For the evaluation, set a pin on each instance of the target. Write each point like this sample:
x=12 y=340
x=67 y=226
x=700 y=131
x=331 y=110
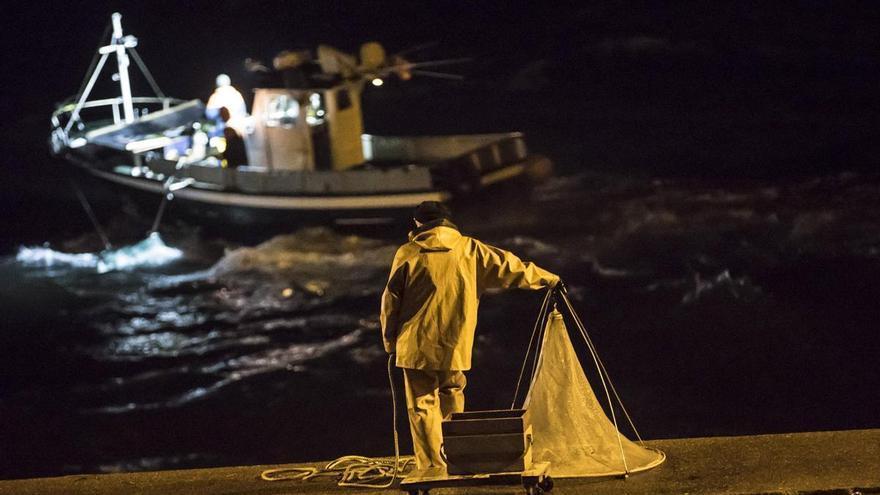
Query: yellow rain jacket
x=429 y=307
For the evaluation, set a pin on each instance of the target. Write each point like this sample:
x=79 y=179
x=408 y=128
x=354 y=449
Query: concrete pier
x=836 y=462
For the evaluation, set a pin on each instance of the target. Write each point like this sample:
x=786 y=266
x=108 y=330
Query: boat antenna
x=438 y=75
x=417 y=68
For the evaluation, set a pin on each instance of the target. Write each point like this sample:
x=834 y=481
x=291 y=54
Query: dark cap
x=429 y=211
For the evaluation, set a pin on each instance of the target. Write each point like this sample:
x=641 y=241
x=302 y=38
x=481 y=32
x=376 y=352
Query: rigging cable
x=540 y=342
x=146 y=72
x=166 y=197
x=91 y=214
x=542 y=315
x=92 y=65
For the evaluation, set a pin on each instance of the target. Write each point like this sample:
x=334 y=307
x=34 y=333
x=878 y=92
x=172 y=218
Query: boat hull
x=226 y=210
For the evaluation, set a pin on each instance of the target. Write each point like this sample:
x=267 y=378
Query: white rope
x=354 y=470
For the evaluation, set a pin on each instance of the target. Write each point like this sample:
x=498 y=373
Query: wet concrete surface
x=835 y=462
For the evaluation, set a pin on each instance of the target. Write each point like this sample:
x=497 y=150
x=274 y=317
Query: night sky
x=47 y=45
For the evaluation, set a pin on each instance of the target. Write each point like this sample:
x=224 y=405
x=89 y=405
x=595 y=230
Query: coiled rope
x=354 y=470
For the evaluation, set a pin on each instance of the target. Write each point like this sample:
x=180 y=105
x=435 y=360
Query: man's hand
x=389 y=348
x=560 y=287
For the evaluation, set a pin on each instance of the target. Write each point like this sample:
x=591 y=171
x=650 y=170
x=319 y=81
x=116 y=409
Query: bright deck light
x=378 y=82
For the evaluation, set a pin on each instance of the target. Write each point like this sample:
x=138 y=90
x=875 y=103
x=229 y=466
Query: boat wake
x=254 y=317
x=150 y=252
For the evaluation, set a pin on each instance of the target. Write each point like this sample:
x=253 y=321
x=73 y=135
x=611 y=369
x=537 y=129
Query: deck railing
x=68 y=115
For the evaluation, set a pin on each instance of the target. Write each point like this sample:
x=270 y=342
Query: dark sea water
x=719 y=308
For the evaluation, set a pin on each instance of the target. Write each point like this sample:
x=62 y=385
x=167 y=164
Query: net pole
x=535 y=330
x=539 y=346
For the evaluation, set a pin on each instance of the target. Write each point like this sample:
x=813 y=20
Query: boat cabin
x=306 y=129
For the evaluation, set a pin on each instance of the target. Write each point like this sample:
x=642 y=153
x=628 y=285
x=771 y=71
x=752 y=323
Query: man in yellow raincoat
x=429 y=314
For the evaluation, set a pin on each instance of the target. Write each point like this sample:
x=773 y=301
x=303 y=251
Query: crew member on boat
x=234 y=154
x=225 y=95
x=429 y=314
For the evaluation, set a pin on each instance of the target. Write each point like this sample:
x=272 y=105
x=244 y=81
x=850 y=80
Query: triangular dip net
x=570 y=429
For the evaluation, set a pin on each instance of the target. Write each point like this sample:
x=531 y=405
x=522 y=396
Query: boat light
x=378 y=82
x=148 y=144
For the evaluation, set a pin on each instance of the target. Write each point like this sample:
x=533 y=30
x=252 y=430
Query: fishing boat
x=305 y=155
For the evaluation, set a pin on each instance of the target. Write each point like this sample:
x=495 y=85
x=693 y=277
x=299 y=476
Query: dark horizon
x=186 y=45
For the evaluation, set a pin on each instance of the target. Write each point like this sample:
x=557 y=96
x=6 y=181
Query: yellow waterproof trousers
x=431 y=396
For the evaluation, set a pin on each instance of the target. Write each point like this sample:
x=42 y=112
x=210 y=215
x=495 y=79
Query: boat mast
x=122 y=62
x=118 y=45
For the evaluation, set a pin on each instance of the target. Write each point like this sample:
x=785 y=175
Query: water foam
x=723 y=283
x=150 y=252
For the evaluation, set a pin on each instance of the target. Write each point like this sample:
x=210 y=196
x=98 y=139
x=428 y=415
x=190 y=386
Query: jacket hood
x=439 y=235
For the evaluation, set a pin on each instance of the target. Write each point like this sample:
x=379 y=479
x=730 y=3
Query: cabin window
x=343 y=99
x=315 y=112
x=282 y=111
